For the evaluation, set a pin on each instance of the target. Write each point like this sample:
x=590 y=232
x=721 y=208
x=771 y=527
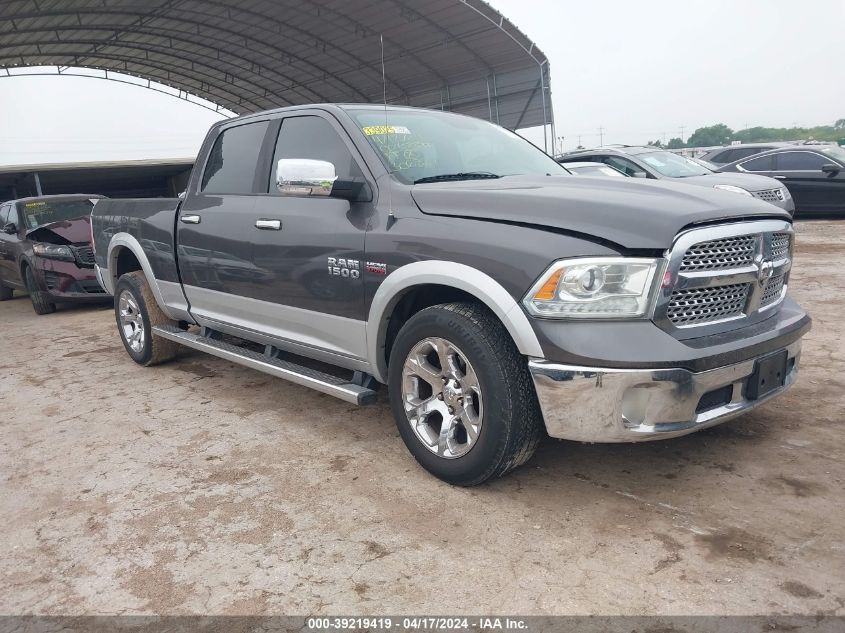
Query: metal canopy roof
x=252 y=55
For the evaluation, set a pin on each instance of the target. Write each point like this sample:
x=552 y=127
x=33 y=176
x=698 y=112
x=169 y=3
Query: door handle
x=780 y=177
x=268 y=225
x=190 y=219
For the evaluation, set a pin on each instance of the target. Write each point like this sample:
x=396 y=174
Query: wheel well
x=126 y=262
x=416 y=299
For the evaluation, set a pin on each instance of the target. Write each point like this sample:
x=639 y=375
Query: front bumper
x=589 y=404
x=65 y=282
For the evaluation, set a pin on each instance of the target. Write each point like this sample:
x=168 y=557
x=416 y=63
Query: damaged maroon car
x=46 y=250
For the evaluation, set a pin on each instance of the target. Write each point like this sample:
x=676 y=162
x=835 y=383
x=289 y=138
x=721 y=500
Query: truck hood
x=633 y=213
x=749 y=182
x=73 y=231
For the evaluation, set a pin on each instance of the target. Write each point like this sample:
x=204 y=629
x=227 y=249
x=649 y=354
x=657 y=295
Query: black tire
x=40 y=300
x=511 y=423
x=5 y=293
x=152 y=349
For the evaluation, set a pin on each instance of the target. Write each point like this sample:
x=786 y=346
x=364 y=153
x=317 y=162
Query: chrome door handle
x=781 y=177
x=268 y=225
x=190 y=219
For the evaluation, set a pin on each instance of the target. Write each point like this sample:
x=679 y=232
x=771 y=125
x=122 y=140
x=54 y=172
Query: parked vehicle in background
x=814 y=174
x=702 y=162
x=492 y=292
x=46 y=250
x=733 y=153
x=594 y=169
x=658 y=164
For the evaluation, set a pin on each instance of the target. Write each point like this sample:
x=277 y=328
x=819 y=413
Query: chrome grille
x=781 y=243
x=705 y=305
x=769 y=195
x=731 y=252
x=722 y=277
x=773 y=290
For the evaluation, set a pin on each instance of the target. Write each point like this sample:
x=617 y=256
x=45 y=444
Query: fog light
x=634 y=406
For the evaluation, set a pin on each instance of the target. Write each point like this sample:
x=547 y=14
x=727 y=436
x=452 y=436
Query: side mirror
x=639 y=174
x=305 y=177
x=831 y=168
x=10 y=228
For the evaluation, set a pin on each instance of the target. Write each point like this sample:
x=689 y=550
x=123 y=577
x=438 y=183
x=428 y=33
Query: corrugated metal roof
x=252 y=55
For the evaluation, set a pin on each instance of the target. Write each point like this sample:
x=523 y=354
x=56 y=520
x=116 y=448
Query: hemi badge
x=376 y=268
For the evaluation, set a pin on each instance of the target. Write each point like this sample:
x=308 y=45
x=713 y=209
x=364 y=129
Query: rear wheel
x=461 y=394
x=136 y=312
x=40 y=300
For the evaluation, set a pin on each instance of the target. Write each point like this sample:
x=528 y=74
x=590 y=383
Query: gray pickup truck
x=494 y=293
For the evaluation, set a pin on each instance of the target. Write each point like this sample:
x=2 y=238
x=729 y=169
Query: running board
x=305 y=376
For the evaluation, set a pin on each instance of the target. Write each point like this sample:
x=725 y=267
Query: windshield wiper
x=466 y=175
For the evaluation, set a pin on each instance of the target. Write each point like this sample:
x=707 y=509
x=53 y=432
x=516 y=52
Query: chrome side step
x=305 y=376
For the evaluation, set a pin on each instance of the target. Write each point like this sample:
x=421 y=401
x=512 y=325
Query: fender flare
x=125 y=240
x=452 y=274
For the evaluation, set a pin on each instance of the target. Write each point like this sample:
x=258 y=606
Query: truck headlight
x=733 y=189
x=53 y=251
x=591 y=288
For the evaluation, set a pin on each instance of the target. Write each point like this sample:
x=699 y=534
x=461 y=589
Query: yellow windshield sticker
x=374 y=130
x=31 y=205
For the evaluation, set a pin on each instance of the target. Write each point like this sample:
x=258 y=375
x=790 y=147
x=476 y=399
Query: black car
x=814 y=175
x=733 y=153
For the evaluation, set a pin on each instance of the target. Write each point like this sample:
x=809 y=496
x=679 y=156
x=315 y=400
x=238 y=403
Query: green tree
x=839 y=125
x=719 y=134
x=675 y=143
x=656 y=143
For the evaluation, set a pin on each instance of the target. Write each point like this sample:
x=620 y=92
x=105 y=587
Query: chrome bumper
x=589 y=404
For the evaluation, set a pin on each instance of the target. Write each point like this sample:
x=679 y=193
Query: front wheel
x=461 y=394
x=40 y=300
x=136 y=312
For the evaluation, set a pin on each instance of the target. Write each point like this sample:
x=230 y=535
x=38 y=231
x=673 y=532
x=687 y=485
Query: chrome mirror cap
x=305 y=177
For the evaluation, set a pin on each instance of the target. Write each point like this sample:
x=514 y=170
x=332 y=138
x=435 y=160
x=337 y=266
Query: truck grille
x=705 y=305
x=781 y=245
x=732 y=252
x=773 y=290
x=724 y=273
x=770 y=195
x=84 y=256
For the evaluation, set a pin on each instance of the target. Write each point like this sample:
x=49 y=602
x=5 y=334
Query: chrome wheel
x=131 y=322
x=442 y=397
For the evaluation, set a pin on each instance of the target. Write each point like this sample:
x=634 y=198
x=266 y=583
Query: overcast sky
x=641 y=70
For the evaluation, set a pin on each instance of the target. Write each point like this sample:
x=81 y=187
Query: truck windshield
x=427 y=146
x=40 y=212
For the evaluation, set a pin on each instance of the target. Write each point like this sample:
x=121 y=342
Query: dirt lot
x=200 y=486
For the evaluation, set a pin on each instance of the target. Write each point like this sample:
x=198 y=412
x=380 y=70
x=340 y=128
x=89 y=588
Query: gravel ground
x=203 y=487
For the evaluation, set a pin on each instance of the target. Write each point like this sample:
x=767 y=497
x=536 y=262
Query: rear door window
x=763 y=163
x=4 y=214
x=800 y=161
x=233 y=162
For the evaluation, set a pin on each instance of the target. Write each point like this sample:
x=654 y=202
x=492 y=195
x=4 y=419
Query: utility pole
x=682 y=135
x=601 y=136
x=579 y=140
